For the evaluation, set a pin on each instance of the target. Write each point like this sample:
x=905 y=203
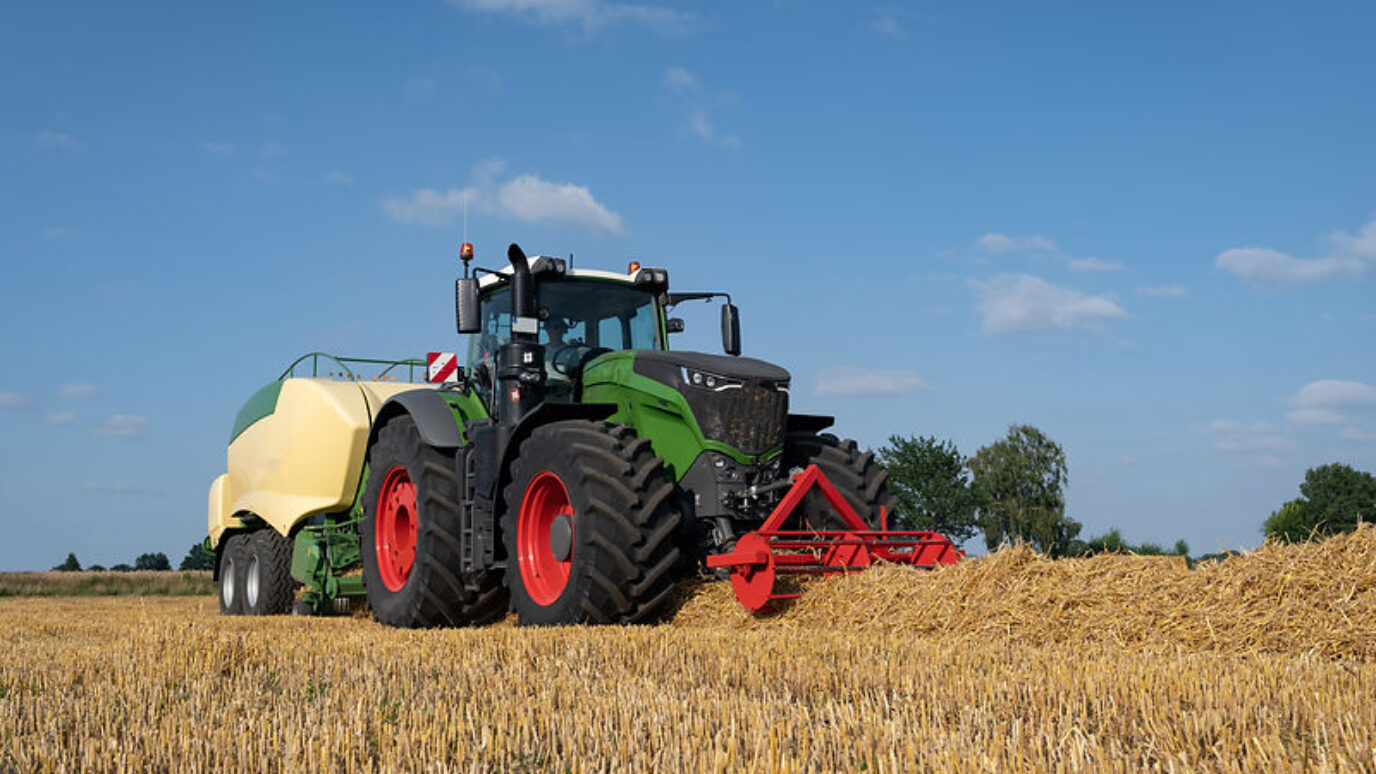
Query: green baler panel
x=259 y=406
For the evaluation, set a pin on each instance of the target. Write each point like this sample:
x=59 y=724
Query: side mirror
x=730 y=329
x=674 y=325
x=466 y=306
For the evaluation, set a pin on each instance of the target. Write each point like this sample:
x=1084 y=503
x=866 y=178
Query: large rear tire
x=410 y=537
x=233 y=557
x=268 y=585
x=591 y=527
x=855 y=474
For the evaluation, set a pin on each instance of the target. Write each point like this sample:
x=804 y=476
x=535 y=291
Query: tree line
x=198 y=558
x=1013 y=491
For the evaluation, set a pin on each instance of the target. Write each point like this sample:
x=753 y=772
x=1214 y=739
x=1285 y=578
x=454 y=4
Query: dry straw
x=1012 y=663
x=1312 y=598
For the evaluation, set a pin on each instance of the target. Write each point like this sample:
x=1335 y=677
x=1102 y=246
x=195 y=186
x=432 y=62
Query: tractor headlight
x=709 y=381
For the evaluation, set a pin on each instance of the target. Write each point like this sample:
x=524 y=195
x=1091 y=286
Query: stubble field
x=1266 y=662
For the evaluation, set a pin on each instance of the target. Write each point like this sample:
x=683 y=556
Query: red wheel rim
x=395 y=537
x=543 y=576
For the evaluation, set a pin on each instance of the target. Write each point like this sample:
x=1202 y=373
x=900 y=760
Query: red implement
x=768 y=552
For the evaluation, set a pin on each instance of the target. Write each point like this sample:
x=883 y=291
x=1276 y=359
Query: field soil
x=1012 y=663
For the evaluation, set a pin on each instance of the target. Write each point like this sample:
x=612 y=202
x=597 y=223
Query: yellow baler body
x=304 y=458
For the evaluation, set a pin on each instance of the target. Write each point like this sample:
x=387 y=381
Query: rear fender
x=434 y=417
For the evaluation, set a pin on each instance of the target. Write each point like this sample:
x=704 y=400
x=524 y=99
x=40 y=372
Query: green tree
x=1340 y=497
x=70 y=564
x=156 y=561
x=1334 y=498
x=1019 y=484
x=929 y=481
x=198 y=559
x=1290 y=524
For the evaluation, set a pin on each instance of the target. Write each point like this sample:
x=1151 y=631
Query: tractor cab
x=580 y=315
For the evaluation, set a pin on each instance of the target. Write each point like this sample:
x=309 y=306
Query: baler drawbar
x=760 y=556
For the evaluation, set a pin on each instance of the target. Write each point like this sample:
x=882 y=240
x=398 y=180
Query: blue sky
x=1148 y=229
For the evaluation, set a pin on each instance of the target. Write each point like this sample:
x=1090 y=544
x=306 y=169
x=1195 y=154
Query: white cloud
x=429 y=207
x=1357 y=434
x=1001 y=243
x=218 y=148
x=532 y=199
x=78 y=390
x=271 y=150
x=264 y=175
x=1263 y=267
x=60 y=418
x=593 y=15
x=54 y=232
x=1314 y=416
x=340 y=178
x=1237 y=438
x=123 y=425
x=1162 y=291
x=1362 y=244
x=57 y=141
x=527 y=197
x=846 y=380
x=888 y=26
x=1335 y=393
x=699 y=124
x=1093 y=264
x=697 y=119
x=678 y=80
x=1019 y=303
x=13 y=401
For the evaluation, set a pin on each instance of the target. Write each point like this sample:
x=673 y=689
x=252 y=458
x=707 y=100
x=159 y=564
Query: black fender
x=809 y=423
x=496 y=446
x=434 y=419
x=544 y=414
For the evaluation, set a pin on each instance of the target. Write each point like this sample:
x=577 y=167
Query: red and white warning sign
x=441 y=367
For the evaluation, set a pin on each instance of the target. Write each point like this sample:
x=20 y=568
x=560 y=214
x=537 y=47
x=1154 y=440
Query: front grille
x=750 y=418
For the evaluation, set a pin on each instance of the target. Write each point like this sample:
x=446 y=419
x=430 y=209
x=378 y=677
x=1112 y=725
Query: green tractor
x=573 y=471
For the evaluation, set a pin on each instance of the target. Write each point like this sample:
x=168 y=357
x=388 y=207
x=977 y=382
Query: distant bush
x=69 y=565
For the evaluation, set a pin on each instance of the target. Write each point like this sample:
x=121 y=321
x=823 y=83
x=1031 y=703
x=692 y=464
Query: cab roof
x=490 y=278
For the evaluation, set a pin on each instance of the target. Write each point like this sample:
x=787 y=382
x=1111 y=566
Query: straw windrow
x=1315 y=598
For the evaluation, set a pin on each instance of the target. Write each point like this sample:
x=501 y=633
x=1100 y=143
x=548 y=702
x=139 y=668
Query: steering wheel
x=567 y=360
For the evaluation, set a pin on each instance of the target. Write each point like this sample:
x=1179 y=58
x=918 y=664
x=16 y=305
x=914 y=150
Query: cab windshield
x=581 y=314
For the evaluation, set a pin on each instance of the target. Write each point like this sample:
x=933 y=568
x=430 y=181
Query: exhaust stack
x=521 y=361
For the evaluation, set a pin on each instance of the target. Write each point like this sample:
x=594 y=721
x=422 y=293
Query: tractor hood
x=739 y=401
x=662 y=366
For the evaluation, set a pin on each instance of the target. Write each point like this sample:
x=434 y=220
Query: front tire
x=410 y=537
x=590 y=527
x=855 y=474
